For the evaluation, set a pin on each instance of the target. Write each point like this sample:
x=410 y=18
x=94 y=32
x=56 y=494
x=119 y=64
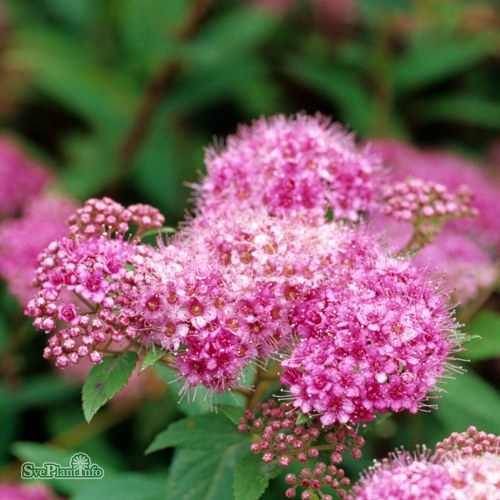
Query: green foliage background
x=424 y=71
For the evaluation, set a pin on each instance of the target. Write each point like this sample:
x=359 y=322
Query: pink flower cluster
x=259 y=275
x=299 y=166
x=82 y=280
x=21 y=177
x=22 y=239
x=279 y=436
x=464 y=466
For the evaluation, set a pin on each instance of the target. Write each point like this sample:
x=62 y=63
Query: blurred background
x=120 y=98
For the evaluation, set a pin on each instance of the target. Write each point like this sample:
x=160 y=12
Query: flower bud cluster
x=106 y=217
x=85 y=279
x=471 y=442
x=454 y=172
x=280 y=437
x=416 y=201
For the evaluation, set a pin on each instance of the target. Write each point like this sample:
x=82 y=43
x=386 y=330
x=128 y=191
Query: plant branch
x=159 y=85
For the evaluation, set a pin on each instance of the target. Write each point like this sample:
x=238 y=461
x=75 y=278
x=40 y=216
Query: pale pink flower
x=23 y=239
x=464 y=267
x=22 y=178
x=10 y=491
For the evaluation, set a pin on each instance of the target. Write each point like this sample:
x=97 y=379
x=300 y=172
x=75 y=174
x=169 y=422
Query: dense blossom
x=82 y=280
x=221 y=293
x=403 y=476
x=301 y=165
x=374 y=337
x=21 y=177
x=465 y=466
x=454 y=173
x=279 y=437
x=22 y=239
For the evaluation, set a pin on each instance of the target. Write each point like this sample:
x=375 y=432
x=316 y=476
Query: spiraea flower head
x=21 y=177
x=298 y=166
x=464 y=466
x=375 y=336
x=84 y=279
x=22 y=239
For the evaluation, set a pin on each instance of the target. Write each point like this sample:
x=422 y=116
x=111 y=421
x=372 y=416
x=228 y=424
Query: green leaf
x=462 y=108
x=148 y=26
x=105 y=380
x=339 y=85
x=433 y=59
x=67 y=73
x=237 y=32
x=129 y=486
x=470 y=400
x=204 y=475
x=487 y=326
x=153 y=354
x=252 y=477
x=45 y=390
x=205 y=399
x=212 y=431
x=232 y=412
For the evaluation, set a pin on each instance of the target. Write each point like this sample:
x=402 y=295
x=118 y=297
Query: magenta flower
x=21 y=177
x=374 y=337
x=291 y=166
x=21 y=240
